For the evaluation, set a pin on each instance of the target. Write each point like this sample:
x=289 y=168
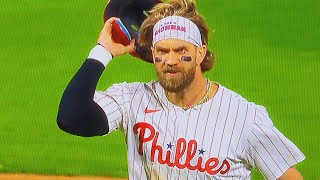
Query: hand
x=105 y=39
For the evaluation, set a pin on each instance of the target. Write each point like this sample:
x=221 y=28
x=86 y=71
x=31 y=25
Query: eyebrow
x=174 y=49
x=180 y=47
x=161 y=48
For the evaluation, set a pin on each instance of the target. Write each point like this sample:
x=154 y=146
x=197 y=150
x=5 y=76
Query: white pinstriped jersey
x=223 y=138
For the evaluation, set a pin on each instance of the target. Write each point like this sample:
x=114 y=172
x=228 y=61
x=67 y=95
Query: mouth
x=172 y=72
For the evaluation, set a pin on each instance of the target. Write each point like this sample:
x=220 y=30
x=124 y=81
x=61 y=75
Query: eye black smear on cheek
x=158 y=59
x=186 y=58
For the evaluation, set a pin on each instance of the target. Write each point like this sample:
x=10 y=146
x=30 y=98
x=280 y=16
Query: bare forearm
x=291 y=174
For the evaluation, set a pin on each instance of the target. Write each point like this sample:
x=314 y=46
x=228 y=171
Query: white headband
x=176 y=27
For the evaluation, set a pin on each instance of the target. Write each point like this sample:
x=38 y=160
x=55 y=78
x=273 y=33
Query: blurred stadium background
x=268 y=51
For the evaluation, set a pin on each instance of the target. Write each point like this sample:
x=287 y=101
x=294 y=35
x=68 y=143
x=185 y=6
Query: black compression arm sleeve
x=78 y=114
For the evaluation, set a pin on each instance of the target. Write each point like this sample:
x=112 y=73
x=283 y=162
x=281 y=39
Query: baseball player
x=183 y=126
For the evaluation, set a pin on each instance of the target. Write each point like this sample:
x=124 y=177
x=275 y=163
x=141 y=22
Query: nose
x=171 y=59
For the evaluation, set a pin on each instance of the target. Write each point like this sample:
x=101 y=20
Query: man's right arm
x=78 y=113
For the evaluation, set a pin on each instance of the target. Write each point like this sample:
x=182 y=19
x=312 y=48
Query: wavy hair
x=184 y=8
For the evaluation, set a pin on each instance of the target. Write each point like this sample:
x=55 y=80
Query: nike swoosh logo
x=147 y=111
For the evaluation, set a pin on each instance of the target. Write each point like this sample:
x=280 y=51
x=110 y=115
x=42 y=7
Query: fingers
x=106 y=32
x=108 y=24
x=105 y=39
x=131 y=47
x=125 y=49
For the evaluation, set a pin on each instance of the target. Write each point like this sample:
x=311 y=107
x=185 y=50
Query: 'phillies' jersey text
x=182 y=147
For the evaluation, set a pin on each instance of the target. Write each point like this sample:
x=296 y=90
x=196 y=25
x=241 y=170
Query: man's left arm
x=270 y=151
x=291 y=174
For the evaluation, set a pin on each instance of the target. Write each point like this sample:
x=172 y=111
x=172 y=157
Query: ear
x=152 y=50
x=201 y=53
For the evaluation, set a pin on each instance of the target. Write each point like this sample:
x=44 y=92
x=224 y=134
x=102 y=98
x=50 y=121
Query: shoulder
x=132 y=88
x=252 y=110
x=124 y=86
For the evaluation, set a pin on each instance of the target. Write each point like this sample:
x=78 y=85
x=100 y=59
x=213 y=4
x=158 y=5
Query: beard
x=176 y=83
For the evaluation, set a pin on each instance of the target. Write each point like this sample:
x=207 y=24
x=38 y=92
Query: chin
x=177 y=82
x=174 y=85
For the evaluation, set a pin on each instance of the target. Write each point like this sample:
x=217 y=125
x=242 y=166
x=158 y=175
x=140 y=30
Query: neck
x=190 y=95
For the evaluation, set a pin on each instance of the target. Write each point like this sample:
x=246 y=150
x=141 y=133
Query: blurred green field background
x=268 y=51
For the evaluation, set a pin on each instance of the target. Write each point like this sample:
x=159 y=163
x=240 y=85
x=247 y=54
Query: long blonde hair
x=184 y=8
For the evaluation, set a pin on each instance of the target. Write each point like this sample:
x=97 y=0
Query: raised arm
x=78 y=113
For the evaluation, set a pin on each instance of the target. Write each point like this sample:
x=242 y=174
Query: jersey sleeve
x=115 y=102
x=268 y=149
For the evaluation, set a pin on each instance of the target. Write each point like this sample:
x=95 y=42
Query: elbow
x=80 y=124
x=67 y=127
x=78 y=129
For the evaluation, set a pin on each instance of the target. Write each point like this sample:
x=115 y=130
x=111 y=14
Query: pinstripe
x=115 y=120
x=259 y=118
x=285 y=145
x=159 y=126
x=163 y=144
x=244 y=172
x=214 y=131
x=224 y=125
x=152 y=122
x=265 y=149
x=136 y=118
x=185 y=135
x=114 y=127
x=101 y=98
x=120 y=95
x=113 y=95
x=165 y=136
x=194 y=136
x=134 y=149
x=262 y=114
x=197 y=121
x=174 y=135
x=260 y=157
x=272 y=143
x=134 y=94
x=205 y=129
x=188 y=120
x=233 y=127
x=241 y=133
x=112 y=89
x=112 y=112
x=156 y=106
x=111 y=101
x=242 y=128
x=143 y=162
x=161 y=117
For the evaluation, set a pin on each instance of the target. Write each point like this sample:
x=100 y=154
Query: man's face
x=175 y=62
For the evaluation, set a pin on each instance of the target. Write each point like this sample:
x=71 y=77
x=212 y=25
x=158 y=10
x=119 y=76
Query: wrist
x=101 y=54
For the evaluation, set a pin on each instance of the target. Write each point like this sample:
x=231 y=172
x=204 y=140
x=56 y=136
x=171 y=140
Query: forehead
x=173 y=43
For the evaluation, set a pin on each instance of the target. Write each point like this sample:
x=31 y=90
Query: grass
x=267 y=51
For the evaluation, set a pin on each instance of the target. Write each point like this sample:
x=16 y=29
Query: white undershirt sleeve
x=100 y=54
